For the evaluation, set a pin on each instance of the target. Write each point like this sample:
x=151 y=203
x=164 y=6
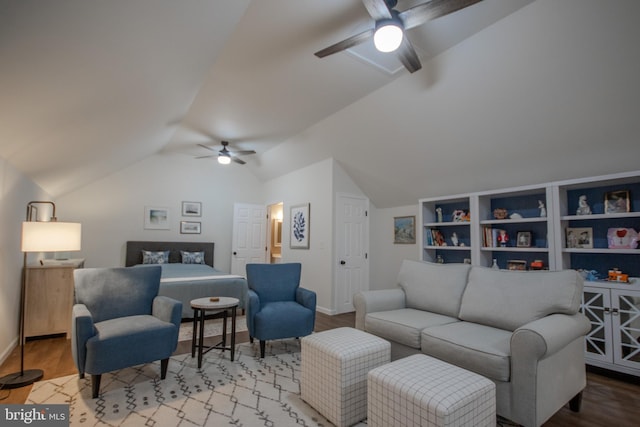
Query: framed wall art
x=617 y=202
x=523 y=239
x=580 y=238
x=190 y=227
x=191 y=209
x=156 y=218
x=299 y=226
x=404 y=229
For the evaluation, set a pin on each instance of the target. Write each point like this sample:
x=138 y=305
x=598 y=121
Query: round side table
x=217 y=309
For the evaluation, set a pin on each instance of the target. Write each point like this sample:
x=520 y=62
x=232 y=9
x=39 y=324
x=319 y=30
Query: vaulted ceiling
x=511 y=92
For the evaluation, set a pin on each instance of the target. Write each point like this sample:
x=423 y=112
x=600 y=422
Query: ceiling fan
x=225 y=156
x=391 y=25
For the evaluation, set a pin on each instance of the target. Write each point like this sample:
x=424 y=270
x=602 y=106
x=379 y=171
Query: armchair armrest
x=306 y=298
x=82 y=329
x=253 y=307
x=377 y=300
x=167 y=309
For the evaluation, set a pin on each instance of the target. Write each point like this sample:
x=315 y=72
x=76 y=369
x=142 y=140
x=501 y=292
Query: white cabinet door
x=596 y=303
x=626 y=327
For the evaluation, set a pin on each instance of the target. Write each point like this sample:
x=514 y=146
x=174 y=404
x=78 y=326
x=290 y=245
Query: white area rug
x=247 y=392
x=212 y=328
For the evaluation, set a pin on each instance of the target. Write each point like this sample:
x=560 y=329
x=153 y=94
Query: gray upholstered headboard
x=134 y=250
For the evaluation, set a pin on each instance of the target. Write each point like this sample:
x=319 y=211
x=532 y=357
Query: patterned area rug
x=212 y=328
x=247 y=392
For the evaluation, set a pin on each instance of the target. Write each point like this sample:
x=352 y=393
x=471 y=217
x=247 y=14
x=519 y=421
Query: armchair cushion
x=283 y=319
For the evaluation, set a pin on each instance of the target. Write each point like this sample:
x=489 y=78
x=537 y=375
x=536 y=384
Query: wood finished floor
x=608 y=400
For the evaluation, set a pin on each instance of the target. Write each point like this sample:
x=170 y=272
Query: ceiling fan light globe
x=224 y=160
x=388 y=36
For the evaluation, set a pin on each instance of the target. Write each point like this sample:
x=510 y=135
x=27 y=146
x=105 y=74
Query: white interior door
x=352 y=239
x=249 y=236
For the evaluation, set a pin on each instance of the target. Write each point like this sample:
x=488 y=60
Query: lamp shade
x=51 y=236
x=224 y=160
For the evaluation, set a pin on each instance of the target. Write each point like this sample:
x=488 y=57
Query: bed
x=186 y=282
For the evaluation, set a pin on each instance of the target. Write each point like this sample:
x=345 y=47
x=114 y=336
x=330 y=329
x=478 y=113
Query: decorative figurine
x=460 y=215
x=500 y=213
x=543 y=209
x=439 y=214
x=454 y=239
x=583 y=206
x=503 y=238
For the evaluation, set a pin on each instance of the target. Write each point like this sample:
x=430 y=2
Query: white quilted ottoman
x=420 y=390
x=334 y=368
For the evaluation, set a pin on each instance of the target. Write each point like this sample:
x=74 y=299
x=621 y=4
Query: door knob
x=343 y=262
x=235 y=253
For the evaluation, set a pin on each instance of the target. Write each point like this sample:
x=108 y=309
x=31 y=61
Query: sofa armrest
x=378 y=300
x=81 y=330
x=547 y=366
x=253 y=308
x=546 y=336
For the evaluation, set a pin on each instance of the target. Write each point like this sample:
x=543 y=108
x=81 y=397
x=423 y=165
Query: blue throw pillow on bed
x=155 y=257
x=192 y=257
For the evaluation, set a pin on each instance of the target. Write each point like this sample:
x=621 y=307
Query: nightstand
x=49 y=296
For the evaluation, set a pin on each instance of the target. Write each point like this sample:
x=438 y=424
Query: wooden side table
x=217 y=309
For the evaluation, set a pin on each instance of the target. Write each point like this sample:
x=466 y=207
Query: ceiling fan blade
x=424 y=12
x=242 y=152
x=408 y=56
x=207 y=147
x=206 y=157
x=377 y=9
x=239 y=161
x=345 y=44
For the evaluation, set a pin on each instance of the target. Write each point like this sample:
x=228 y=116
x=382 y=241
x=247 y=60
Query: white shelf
x=513 y=221
x=450 y=248
x=600 y=216
x=513 y=249
x=447 y=224
x=601 y=251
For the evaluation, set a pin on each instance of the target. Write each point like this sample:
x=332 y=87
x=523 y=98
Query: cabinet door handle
x=614 y=311
x=607 y=310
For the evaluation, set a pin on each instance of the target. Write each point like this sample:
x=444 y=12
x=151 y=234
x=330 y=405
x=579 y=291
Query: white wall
x=312 y=184
x=112 y=210
x=386 y=257
x=15 y=192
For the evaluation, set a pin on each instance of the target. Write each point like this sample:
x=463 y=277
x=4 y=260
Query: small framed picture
x=516 y=264
x=191 y=209
x=523 y=239
x=300 y=225
x=404 y=229
x=617 y=202
x=190 y=227
x=156 y=218
x=581 y=238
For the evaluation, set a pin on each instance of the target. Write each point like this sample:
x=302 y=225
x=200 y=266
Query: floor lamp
x=51 y=236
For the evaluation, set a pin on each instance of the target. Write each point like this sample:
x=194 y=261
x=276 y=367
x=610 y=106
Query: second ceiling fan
x=389 y=32
x=225 y=156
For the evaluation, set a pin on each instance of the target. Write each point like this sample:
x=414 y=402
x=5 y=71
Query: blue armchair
x=278 y=307
x=120 y=321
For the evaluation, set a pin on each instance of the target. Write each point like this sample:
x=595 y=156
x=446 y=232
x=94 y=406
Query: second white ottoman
x=420 y=390
x=334 y=368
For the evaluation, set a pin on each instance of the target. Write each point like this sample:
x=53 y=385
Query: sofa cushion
x=510 y=299
x=404 y=325
x=433 y=287
x=478 y=348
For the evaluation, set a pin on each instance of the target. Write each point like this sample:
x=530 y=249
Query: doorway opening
x=275 y=232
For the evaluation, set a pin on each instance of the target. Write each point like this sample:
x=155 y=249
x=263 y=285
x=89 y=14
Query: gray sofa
x=520 y=329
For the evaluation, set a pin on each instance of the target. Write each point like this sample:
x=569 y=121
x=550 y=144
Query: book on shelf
x=490 y=236
x=434 y=237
